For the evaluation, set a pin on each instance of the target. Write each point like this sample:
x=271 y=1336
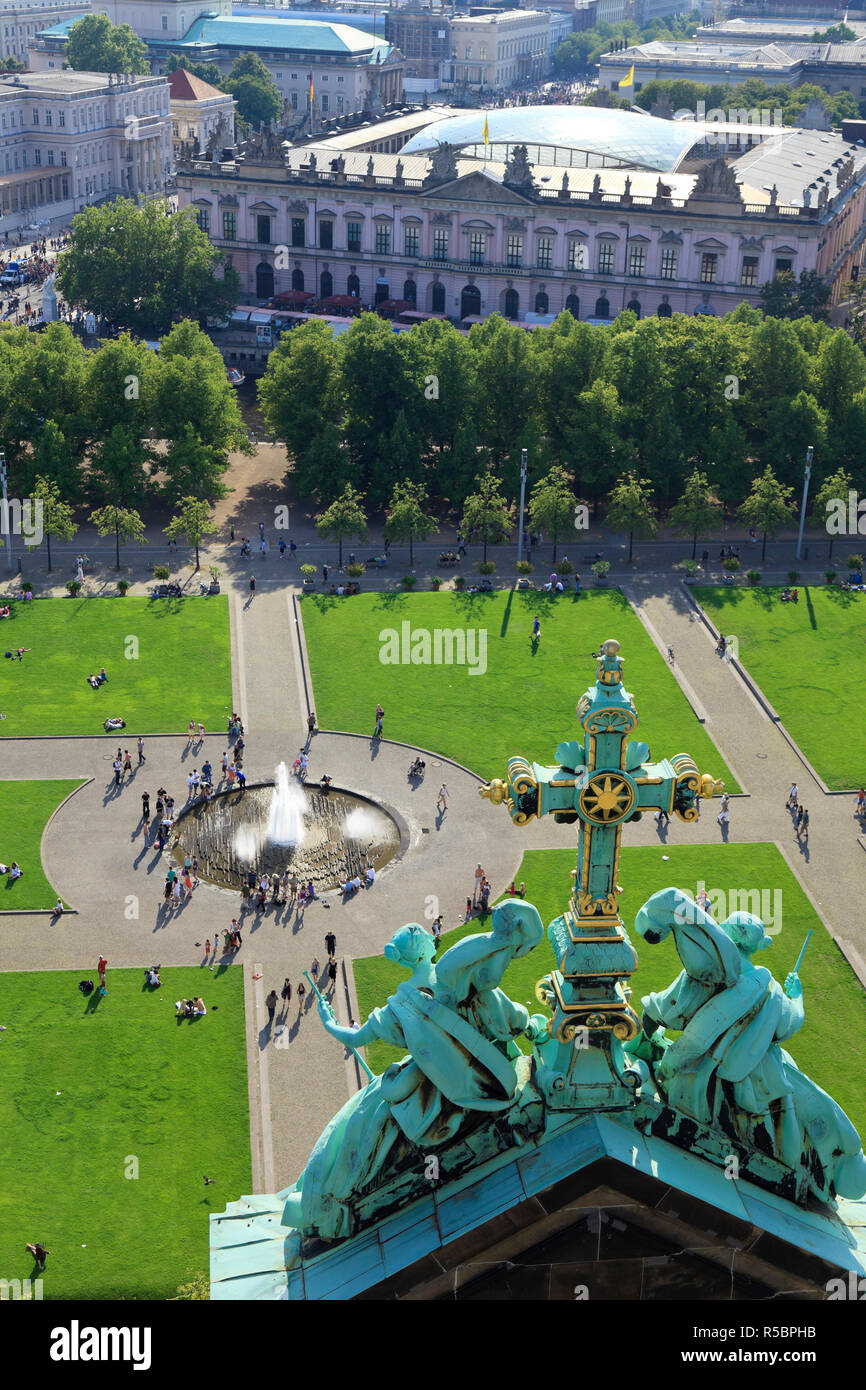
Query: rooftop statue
x=727 y=1068
x=463 y=1069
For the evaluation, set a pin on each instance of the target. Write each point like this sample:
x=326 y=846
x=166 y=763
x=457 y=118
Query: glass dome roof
x=624 y=137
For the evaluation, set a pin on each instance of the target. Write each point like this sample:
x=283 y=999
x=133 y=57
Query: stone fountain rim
x=403 y=830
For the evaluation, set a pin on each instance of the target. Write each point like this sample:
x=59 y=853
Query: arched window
x=572 y=304
x=297 y=278
x=383 y=292
x=437 y=298
x=664 y=311
x=410 y=291
x=326 y=284
x=353 y=285
x=541 y=302
x=264 y=281
x=511 y=304
x=602 y=308
x=470 y=301
x=634 y=305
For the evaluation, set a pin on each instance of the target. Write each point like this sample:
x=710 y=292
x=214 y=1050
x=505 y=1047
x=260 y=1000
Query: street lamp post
x=809 y=453
x=523 y=459
x=6 y=527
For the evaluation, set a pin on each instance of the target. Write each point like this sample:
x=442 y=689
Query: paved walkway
x=95 y=856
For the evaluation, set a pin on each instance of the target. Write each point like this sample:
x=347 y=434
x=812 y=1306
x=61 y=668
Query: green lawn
x=834 y=999
x=136 y=1088
x=24 y=809
x=523 y=703
x=168 y=661
x=809 y=658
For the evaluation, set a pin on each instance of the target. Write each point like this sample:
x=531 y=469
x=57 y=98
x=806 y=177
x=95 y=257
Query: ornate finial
x=609 y=663
x=496 y=791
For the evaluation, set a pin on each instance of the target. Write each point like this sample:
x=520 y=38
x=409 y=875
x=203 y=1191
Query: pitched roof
x=184 y=86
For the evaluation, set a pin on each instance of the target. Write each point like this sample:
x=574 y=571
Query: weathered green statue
x=463 y=1069
x=727 y=1069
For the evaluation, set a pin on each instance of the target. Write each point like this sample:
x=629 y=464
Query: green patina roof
x=309 y=36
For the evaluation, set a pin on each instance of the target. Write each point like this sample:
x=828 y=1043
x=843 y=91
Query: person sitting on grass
x=15 y=870
x=5 y=611
x=102 y=677
x=151 y=977
x=92 y=681
x=198 y=1008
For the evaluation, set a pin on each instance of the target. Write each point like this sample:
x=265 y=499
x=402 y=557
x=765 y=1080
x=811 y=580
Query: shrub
x=753 y=576
x=600 y=568
x=215 y=573
x=436 y=581
x=565 y=567
x=122 y=586
x=793 y=576
x=460 y=582
x=73 y=587
x=354 y=571
x=830 y=575
x=732 y=563
x=855 y=562
x=690 y=567
x=161 y=572
x=524 y=567
x=486 y=567
x=308 y=571
x=410 y=580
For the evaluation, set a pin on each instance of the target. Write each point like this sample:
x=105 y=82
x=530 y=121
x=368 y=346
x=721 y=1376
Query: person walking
x=803 y=828
x=479 y=879
x=271 y=1004
x=330 y=943
x=302 y=990
x=536 y=630
x=442 y=798
x=101 y=967
x=436 y=929
x=332 y=973
x=141 y=757
x=127 y=761
x=861 y=802
x=311 y=723
x=793 y=796
x=314 y=969
x=118 y=770
x=724 y=815
x=39 y=1252
x=286 y=992
x=252 y=586
x=145 y=806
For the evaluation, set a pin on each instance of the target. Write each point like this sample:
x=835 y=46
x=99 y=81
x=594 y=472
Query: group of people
x=96 y=681
x=799 y=814
x=790 y=595
x=271 y=999
x=480 y=899
x=14 y=870
x=364 y=880
x=190 y=1008
x=277 y=889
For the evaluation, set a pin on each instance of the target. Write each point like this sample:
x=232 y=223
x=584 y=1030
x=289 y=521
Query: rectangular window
x=440 y=244
x=605 y=258
x=62 y=156
x=514 y=250
x=709 y=267
x=263 y=229
x=477 y=247
x=340 y=105
x=50 y=156
x=325 y=102
x=164 y=19
x=326 y=236
x=383 y=240
x=576 y=255
x=37 y=155
x=202 y=217
x=544 y=258
x=410 y=241
x=230 y=226
x=636 y=260
x=670 y=257
x=61 y=118
x=294 y=101
x=299 y=228
x=353 y=236
x=341 y=79
x=784 y=266
x=749 y=273
x=35 y=116
x=49 y=118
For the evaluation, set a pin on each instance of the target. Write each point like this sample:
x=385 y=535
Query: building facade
x=74 y=138
x=837 y=67
x=499 y=48
x=200 y=114
x=423 y=36
x=22 y=20
x=453 y=235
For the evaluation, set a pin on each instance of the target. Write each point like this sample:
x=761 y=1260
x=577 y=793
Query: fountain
x=286 y=825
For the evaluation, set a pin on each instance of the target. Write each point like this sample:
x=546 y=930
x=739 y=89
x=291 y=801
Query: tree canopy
x=96 y=45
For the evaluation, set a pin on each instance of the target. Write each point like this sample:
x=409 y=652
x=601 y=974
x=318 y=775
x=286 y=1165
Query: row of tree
x=659 y=397
x=751 y=95
x=191 y=520
x=581 y=51
x=122 y=423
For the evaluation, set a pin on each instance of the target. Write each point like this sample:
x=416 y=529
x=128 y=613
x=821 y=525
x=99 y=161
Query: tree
x=208 y=72
x=196 y=412
x=301 y=387
x=834 y=488
x=786 y=298
x=57 y=519
x=406 y=519
x=344 y=517
x=505 y=382
x=486 y=512
x=192 y=519
x=121 y=522
x=142 y=268
x=552 y=504
x=117 y=466
x=96 y=45
x=769 y=505
x=631 y=509
x=255 y=91
x=855 y=302
x=698 y=510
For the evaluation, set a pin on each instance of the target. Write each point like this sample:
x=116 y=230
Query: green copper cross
x=602 y=783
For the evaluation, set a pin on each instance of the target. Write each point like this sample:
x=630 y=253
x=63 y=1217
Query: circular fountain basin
x=337 y=835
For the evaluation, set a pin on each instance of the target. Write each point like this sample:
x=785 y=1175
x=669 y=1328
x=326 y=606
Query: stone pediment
x=479 y=188
x=711 y=243
x=263 y=207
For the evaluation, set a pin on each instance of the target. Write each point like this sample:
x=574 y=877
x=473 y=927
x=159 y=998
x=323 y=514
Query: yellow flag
x=485 y=133
x=628 y=80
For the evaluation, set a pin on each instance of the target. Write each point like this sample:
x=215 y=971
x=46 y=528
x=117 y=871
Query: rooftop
x=299 y=35
x=184 y=86
x=67 y=83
